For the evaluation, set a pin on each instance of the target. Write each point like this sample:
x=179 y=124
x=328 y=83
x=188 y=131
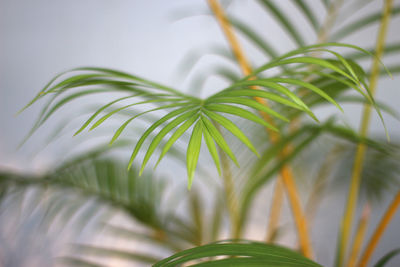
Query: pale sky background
x=44 y=37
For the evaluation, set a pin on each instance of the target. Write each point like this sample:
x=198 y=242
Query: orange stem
x=285 y=173
x=380 y=230
x=352 y=198
x=360 y=234
x=275 y=212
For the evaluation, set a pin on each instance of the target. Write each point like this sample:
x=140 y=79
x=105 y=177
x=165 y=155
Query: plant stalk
x=360 y=234
x=325 y=29
x=322 y=37
x=229 y=192
x=275 y=212
x=230 y=195
x=285 y=173
x=361 y=148
x=394 y=205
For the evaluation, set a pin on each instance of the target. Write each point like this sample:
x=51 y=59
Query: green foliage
x=184 y=110
x=246 y=254
x=95 y=187
x=385 y=259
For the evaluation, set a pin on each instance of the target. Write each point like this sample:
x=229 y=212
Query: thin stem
x=229 y=34
x=277 y=201
x=360 y=234
x=326 y=27
x=297 y=210
x=361 y=148
x=196 y=212
x=275 y=212
x=230 y=194
x=322 y=37
x=380 y=230
x=286 y=172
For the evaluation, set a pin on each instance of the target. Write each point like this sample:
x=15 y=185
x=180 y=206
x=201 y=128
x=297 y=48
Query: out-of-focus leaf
x=246 y=254
x=385 y=259
x=308 y=13
x=284 y=21
x=267 y=165
x=361 y=23
x=263 y=45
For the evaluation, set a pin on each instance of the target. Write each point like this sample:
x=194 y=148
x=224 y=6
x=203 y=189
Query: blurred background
x=152 y=39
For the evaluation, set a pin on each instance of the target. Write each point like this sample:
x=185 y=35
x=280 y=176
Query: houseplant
x=327 y=78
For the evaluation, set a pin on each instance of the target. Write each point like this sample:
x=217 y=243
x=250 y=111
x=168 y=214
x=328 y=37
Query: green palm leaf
x=181 y=107
x=308 y=14
x=230 y=126
x=218 y=138
x=361 y=23
x=284 y=21
x=247 y=254
x=257 y=40
x=193 y=151
x=385 y=259
x=268 y=165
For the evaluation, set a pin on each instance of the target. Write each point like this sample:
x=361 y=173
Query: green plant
x=283 y=91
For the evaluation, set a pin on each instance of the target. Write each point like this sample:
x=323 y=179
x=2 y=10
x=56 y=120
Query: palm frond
x=308 y=14
x=92 y=183
x=388 y=256
x=267 y=165
x=379 y=175
x=91 y=190
x=361 y=23
x=182 y=107
x=286 y=24
x=247 y=254
x=254 y=37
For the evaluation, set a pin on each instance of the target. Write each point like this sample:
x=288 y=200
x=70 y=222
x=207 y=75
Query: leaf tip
x=219 y=171
x=189 y=186
x=141 y=170
x=236 y=163
x=129 y=166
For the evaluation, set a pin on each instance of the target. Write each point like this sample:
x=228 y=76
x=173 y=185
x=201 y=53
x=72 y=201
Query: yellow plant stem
x=275 y=212
x=360 y=234
x=351 y=202
x=278 y=195
x=229 y=192
x=329 y=21
x=387 y=217
x=294 y=125
x=286 y=172
x=297 y=210
x=230 y=195
x=361 y=148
